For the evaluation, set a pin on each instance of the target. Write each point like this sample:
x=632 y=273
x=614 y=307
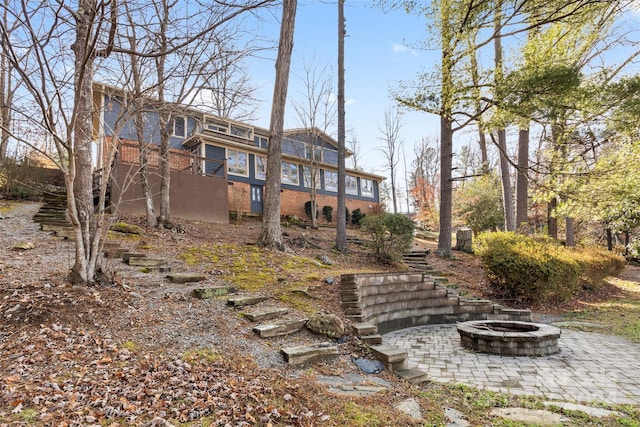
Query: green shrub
x=347 y=215
x=534 y=270
x=391 y=235
x=357 y=216
x=479 y=204
x=327 y=212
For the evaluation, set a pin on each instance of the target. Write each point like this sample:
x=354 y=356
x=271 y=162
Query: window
x=179 y=126
x=366 y=187
x=330 y=181
x=351 y=185
x=261 y=141
x=307 y=177
x=261 y=167
x=216 y=125
x=290 y=173
x=241 y=131
x=237 y=162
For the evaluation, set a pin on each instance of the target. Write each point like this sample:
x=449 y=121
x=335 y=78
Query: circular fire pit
x=509 y=338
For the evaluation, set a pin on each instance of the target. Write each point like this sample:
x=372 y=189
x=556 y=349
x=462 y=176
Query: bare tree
x=8 y=87
x=341 y=217
x=59 y=83
x=354 y=147
x=271 y=234
x=391 y=138
x=316 y=113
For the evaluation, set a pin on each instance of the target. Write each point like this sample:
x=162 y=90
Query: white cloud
x=400 y=49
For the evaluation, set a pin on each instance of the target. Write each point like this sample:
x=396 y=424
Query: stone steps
x=261 y=315
x=285 y=327
x=301 y=354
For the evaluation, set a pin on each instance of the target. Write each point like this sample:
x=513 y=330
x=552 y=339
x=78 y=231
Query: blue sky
x=379 y=53
x=377 y=56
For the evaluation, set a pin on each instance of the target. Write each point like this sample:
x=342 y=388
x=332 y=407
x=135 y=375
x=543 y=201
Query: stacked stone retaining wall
x=401 y=300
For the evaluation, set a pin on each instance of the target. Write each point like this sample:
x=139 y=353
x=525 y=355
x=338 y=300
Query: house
x=230 y=155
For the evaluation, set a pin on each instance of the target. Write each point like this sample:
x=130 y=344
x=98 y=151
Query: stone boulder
x=23 y=246
x=326 y=324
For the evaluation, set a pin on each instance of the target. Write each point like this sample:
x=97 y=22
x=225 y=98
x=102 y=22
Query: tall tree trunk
x=165 y=171
x=446 y=132
x=152 y=220
x=507 y=195
x=552 y=220
x=6 y=93
x=393 y=190
x=164 y=218
x=522 y=180
x=570 y=239
x=341 y=217
x=79 y=181
x=271 y=234
x=446 y=186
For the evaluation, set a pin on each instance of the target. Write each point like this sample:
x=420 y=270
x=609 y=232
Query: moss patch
x=123 y=227
x=249 y=267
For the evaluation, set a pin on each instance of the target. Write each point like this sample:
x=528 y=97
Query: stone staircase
x=417 y=260
x=52 y=215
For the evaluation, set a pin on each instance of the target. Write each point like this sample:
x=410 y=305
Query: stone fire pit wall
x=541 y=340
x=393 y=301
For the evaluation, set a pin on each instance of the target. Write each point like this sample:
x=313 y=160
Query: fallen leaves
x=78 y=377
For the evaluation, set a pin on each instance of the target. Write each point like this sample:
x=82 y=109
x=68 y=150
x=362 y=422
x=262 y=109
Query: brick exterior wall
x=292 y=202
x=128 y=152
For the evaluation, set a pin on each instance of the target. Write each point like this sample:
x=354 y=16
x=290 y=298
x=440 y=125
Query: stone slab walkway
x=589 y=368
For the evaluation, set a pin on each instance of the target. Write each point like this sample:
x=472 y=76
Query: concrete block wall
x=394 y=301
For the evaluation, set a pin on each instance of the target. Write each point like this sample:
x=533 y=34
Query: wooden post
x=464 y=240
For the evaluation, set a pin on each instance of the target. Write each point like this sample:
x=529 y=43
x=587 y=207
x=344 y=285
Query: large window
x=317 y=153
x=179 y=126
x=290 y=173
x=237 y=162
x=366 y=187
x=308 y=173
x=351 y=185
x=330 y=181
x=261 y=167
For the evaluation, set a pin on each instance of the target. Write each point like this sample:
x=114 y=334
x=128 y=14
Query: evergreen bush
x=307 y=209
x=327 y=212
x=391 y=235
x=535 y=270
x=357 y=216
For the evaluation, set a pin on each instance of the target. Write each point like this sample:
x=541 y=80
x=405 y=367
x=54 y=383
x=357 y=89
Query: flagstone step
x=393 y=358
x=246 y=300
x=145 y=262
x=262 y=315
x=212 y=292
x=361 y=329
x=301 y=354
x=185 y=277
x=371 y=339
x=413 y=375
x=158 y=269
x=288 y=327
